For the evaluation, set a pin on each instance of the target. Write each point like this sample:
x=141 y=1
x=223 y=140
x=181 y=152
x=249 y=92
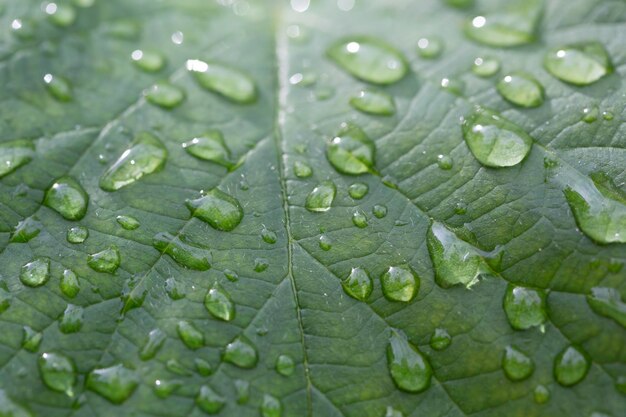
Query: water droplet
x=156 y=338
x=571 y=366
x=218 y=209
x=240 y=352
x=440 y=339
x=127 y=222
x=510 y=27
x=190 y=335
x=72 y=319
x=325 y=243
x=260 y=264
x=517 y=365
x=590 y=115
x=231 y=275
x=26 y=230
x=541 y=394
x=455 y=261
x=495 y=141
x=302 y=169
x=607 y=115
x=268 y=236
x=608 y=303
x=321 y=198
x=374 y=102
x=219 y=304
x=460 y=208
x=521 y=89
x=400 y=283
x=210 y=147
x=77 y=234
x=31 y=339
x=285 y=365
x=485 y=67
x=58 y=87
x=62 y=15
x=173 y=365
x=15 y=154
x=149 y=61
x=242 y=389
x=69 y=284
x=58 y=372
x=524 y=307
x=35 y=273
x=164 y=94
x=429 y=48
x=379 y=211
x=271 y=406
x=351 y=151
x=358 y=284
x=164 y=388
x=453 y=86
x=209 y=401
x=23 y=29
x=392 y=412
x=579 y=64
x=203 y=367
x=620 y=384
x=408 y=367
x=174 y=289
x=68 y=198
x=359 y=219
x=358 y=190
x=107 y=260
x=369 y=59
x=115 y=383
x=445 y=162
x=224 y=80
x=182 y=252
x=5 y=298
x=145 y=156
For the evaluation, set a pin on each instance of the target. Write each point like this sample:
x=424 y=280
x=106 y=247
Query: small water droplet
x=400 y=283
x=590 y=115
x=125 y=29
x=429 y=48
x=240 y=352
x=242 y=389
x=521 y=89
x=579 y=64
x=358 y=284
x=69 y=284
x=174 y=366
x=358 y=190
x=35 y=273
x=607 y=115
x=325 y=243
x=440 y=339
x=229 y=82
x=5 y=298
x=23 y=29
x=408 y=367
x=219 y=304
x=60 y=14
x=392 y=412
x=165 y=94
x=517 y=365
x=524 y=307
x=155 y=341
x=359 y=219
x=374 y=102
x=445 y=162
x=571 y=366
x=190 y=335
x=351 y=151
x=107 y=260
x=453 y=85
x=15 y=154
x=209 y=401
x=68 y=198
x=220 y=210
x=72 y=319
x=321 y=198
x=460 y=208
x=485 y=66
x=271 y=406
x=31 y=339
x=203 y=367
x=164 y=388
x=182 y=252
x=285 y=365
x=127 y=222
x=115 y=383
x=541 y=394
x=58 y=372
x=302 y=169
x=231 y=275
x=268 y=236
x=174 y=289
x=77 y=234
x=607 y=302
x=149 y=61
x=260 y=264
x=58 y=87
x=27 y=229
x=210 y=147
x=379 y=211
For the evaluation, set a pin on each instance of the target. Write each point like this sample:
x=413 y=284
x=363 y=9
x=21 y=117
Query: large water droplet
x=579 y=64
x=571 y=366
x=400 y=283
x=210 y=147
x=15 y=154
x=128 y=222
x=182 y=252
x=374 y=102
x=35 y=273
x=521 y=89
x=408 y=366
x=608 y=303
x=321 y=198
x=524 y=307
x=369 y=59
x=69 y=284
x=271 y=406
x=58 y=372
x=26 y=230
x=190 y=335
x=209 y=401
x=164 y=94
x=240 y=352
x=485 y=67
x=495 y=141
x=72 y=319
x=68 y=198
x=358 y=284
x=218 y=303
x=145 y=156
x=155 y=341
x=149 y=61
x=517 y=365
x=107 y=260
x=440 y=339
x=77 y=234
x=351 y=152
x=58 y=87
x=218 y=209
x=31 y=339
x=115 y=383
x=229 y=82
x=285 y=365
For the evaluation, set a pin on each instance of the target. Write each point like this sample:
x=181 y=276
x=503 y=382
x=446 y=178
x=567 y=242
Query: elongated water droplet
x=430 y=48
x=271 y=406
x=218 y=303
x=209 y=401
x=379 y=211
x=31 y=339
x=58 y=87
x=69 y=284
x=203 y=367
x=242 y=389
x=541 y=395
x=408 y=367
x=145 y=156
x=400 y=283
x=190 y=335
x=351 y=151
x=58 y=372
x=164 y=94
x=240 y=352
x=26 y=230
x=358 y=284
x=608 y=303
x=115 y=383
x=229 y=82
x=359 y=219
x=521 y=89
x=107 y=260
x=68 y=198
x=524 y=307
x=164 y=388
x=579 y=64
x=374 y=102
x=182 y=252
x=358 y=190
x=517 y=365
x=285 y=365
x=321 y=198
x=15 y=154
x=127 y=222
x=72 y=319
x=485 y=67
x=35 y=273
x=302 y=169
x=325 y=243
x=440 y=339
x=60 y=14
x=218 y=209
x=210 y=147
x=495 y=141
x=174 y=289
x=155 y=341
x=571 y=366
x=77 y=234
x=456 y=261
x=149 y=61
x=369 y=59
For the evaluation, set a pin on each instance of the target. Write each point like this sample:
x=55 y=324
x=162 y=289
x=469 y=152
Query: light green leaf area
x=176 y=270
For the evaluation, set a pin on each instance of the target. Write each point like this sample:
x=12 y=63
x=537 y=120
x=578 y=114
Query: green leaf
x=326 y=208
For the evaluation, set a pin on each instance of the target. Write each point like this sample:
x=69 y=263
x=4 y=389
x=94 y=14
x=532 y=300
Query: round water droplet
x=229 y=82
x=210 y=147
x=440 y=339
x=285 y=365
x=351 y=151
x=358 y=284
x=31 y=339
x=445 y=162
x=149 y=61
x=453 y=86
x=302 y=169
x=460 y=208
x=321 y=198
x=579 y=64
x=379 y=211
x=524 y=307
x=68 y=198
x=203 y=367
x=240 y=352
x=607 y=115
x=218 y=209
x=541 y=394
x=35 y=273
x=231 y=275
x=374 y=102
x=127 y=222
x=571 y=366
x=429 y=48
x=60 y=14
x=517 y=365
x=72 y=319
x=69 y=284
x=115 y=383
x=325 y=243
x=590 y=115
x=359 y=219
x=58 y=87
x=219 y=304
x=23 y=29
x=190 y=335
x=164 y=94
x=174 y=289
x=261 y=264
x=209 y=401
x=155 y=341
x=358 y=190
x=107 y=260
x=485 y=67
x=369 y=59
x=58 y=372
x=15 y=154
x=271 y=406
x=268 y=236
x=495 y=141
x=408 y=367
x=400 y=283
x=521 y=89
